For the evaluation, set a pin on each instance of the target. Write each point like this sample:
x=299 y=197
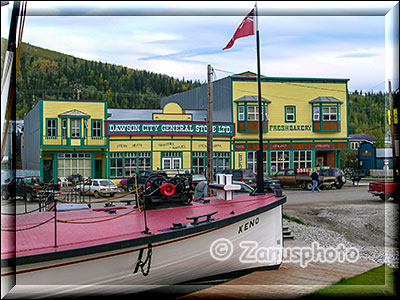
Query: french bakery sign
x=290 y=127
x=167 y=128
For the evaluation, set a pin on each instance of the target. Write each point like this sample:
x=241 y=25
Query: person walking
x=315 y=181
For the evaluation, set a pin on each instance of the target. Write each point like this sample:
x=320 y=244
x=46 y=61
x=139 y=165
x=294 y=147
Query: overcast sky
x=180 y=38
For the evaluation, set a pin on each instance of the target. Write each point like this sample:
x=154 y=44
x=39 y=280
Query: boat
x=164 y=237
x=175 y=239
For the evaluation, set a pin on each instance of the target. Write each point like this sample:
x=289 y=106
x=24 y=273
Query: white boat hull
x=172 y=261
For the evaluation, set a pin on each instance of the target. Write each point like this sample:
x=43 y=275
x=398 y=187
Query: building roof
x=199 y=115
x=362 y=137
x=74 y=113
x=325 y=100
x=251 y=98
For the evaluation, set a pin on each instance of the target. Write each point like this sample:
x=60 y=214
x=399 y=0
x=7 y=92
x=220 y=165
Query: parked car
x=245 y=175
x=201 y=189
x=29 y=188
x=385 y=190
x=338 y=173
x=98 y=187
x=290 y=177
x=141 y=179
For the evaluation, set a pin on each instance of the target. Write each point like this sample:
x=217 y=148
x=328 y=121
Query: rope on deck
x=98 y=221
x=28 y=228
x=104 y=200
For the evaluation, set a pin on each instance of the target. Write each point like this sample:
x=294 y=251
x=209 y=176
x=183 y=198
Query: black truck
x=29 y=188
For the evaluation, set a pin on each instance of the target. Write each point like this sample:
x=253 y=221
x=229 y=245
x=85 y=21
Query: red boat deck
x=93 y=231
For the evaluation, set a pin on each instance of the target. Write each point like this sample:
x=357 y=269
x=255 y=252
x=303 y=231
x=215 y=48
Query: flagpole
x=260 y=171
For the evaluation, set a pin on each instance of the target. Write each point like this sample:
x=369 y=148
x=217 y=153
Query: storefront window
x=302 y=159
x=171 y=160
x=199 y=162
x=252 y=160
x=74 y=163
x=116 y=164
x=221 y=161
x=280 y=160
x=130 y=164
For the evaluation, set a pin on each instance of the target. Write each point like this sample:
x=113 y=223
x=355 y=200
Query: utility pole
x=209 y=130
x=396 y=175
x=78 y=92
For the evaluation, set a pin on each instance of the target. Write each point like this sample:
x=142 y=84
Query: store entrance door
x=47 y=171
x=98 y=168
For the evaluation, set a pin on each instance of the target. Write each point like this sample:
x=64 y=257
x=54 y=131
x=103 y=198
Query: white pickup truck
x=98 y=187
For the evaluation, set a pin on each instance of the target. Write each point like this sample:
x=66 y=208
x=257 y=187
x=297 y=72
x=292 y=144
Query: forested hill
x=367 y=115
x=48 y=74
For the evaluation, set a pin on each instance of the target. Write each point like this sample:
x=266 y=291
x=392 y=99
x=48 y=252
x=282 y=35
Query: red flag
x=245 y=28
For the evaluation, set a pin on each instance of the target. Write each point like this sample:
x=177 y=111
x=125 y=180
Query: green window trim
x=52 y=128
x=64 y=126
x=72 y=128
x=318 y=117
x=93 y=129
x=242 y=115
x=293 y=113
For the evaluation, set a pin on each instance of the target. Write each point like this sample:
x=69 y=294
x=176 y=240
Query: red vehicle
x=385 y=190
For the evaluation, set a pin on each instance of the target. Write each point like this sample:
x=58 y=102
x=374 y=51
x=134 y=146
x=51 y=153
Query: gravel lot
x=370 y=227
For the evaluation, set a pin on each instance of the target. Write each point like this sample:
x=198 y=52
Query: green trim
x=289 y=79
x=55 y=167
x=321 y=119
x=101 y=127
x=66 y=127
x=92 y=167
x=137 y=158
x=204 y=156
x=73 y=100
x=246 y=120
x=80 y=128
x=47 y=127
x=294 y=113
x=41 y=127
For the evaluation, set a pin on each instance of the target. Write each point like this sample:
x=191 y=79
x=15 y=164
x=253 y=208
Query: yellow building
x=305 y=119
x=65 y=137
x=304 y=125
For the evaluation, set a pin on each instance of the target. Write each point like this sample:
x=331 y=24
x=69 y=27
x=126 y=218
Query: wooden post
x=209 y=130
x=260 y=169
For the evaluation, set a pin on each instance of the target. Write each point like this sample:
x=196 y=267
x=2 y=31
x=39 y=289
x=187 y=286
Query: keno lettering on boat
x=248 y=225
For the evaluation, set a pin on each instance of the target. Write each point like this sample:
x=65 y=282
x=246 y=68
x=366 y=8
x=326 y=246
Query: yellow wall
x=156 y=160
x=51 y=109
x=130 y=145
x=291 y=94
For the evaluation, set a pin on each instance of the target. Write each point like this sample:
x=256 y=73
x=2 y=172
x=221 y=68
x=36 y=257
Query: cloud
x=357 y=54
x=182 y=55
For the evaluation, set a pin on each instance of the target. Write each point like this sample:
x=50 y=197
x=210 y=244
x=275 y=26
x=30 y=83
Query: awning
x=249 y=98
x=325 y=100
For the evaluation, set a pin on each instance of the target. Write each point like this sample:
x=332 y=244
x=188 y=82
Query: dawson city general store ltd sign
x=167 y=128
